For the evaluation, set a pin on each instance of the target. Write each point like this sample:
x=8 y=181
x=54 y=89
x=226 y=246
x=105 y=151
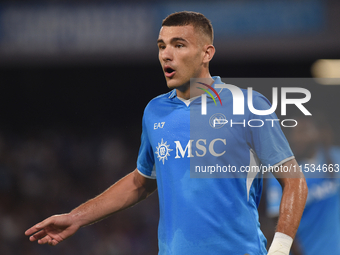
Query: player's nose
x=166 y=54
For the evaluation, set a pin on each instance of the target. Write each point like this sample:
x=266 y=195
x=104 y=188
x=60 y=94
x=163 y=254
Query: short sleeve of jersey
x=266 y=137
x=145 y=161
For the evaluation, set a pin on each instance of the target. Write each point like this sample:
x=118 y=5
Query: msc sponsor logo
x=193 y=148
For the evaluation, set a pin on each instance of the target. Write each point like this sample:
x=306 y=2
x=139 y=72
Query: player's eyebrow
x=160 y=41
x=178 y=39
x=174 y=39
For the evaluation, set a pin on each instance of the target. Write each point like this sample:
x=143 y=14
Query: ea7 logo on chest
x=158 y=125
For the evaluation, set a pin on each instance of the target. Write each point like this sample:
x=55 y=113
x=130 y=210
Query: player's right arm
x=126 y=192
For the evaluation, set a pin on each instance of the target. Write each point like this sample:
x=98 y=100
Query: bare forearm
x=292 y=203
x=123 y=194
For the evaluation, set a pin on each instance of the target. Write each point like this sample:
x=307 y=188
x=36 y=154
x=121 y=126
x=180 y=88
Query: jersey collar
x=217 y=80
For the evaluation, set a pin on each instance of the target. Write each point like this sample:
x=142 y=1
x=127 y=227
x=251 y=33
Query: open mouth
x=169 y=72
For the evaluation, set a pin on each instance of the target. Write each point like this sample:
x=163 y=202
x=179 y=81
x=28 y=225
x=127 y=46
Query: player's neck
x=188 y=91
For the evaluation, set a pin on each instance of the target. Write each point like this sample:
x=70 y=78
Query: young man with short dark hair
x=197 y=215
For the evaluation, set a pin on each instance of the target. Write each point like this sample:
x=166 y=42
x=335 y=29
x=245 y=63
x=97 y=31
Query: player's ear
x=209 y=52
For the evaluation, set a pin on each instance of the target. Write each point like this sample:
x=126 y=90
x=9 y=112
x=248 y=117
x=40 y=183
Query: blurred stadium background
x=75 y=77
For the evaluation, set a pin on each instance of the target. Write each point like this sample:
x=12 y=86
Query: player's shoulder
x=232 y=88
x=260 y=102
x=254 y=94
x=160 y=100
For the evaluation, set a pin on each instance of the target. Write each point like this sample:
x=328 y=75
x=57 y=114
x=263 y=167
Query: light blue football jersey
x=199 y=214
x=319 y=230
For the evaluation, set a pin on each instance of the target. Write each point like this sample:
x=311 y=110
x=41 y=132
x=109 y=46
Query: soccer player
x=319 y=231
x=197 y=215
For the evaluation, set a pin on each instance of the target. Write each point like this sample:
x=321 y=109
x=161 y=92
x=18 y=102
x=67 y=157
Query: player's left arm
x=293 y=202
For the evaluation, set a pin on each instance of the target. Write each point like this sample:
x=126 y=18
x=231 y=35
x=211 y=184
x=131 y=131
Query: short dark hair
x=197 y=20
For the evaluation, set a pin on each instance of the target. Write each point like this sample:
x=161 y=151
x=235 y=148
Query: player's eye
x=161 y=46
x=179 y=45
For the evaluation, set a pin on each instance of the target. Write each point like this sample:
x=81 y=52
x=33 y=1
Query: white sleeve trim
x=146 y=176
x=283 y=161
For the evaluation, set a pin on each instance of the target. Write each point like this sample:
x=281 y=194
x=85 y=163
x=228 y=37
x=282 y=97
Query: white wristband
x=281 y=244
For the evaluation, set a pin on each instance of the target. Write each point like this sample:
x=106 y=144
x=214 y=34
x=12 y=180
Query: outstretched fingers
x=50 y=240
x=46 y=239
x=38 y=227
x=52 y=230
x=38 y=235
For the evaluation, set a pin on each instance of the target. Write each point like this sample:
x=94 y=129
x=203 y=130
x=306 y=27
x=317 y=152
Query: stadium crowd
x=45 y=172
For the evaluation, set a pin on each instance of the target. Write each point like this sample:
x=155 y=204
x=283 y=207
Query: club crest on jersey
x=218 y=120
x=162 y=151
